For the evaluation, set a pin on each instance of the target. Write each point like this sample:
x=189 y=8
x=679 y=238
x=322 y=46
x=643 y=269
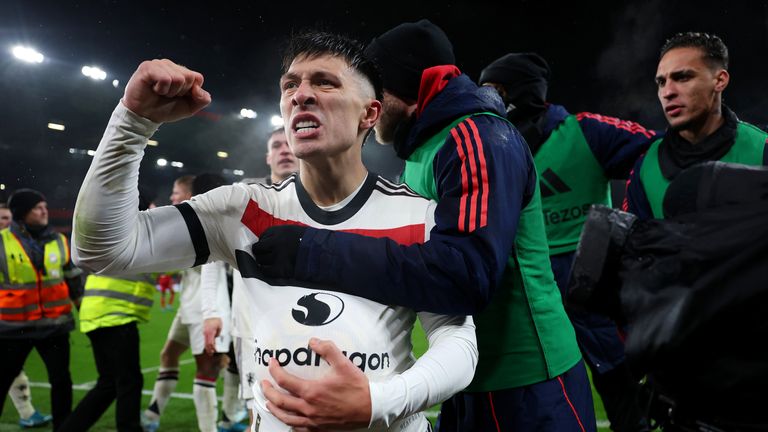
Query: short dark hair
x=714 y=50
x=314 y=43
x=205 y=182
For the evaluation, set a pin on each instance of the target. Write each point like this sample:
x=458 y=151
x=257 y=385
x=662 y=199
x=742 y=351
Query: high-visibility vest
x=109 y=302
x=28 y=293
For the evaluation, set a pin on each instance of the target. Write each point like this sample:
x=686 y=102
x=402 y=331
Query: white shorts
x=191 y=335
x=246 y=366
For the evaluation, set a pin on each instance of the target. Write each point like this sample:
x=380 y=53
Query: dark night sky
x=603 y=57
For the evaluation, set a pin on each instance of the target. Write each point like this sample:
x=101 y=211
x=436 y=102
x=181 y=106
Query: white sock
x=206 y=405
x=231 y=404
x=21 y=397
x=165 y=384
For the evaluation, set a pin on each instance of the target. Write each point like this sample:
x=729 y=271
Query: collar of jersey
x=325 y=217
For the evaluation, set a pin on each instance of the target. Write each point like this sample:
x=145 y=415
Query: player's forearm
x=209 y=286
x=445 y=369
x=110 y=236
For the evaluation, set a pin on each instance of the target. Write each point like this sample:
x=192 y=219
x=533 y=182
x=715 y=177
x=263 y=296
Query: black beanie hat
x=403 y=53
x=516 y=69
x=525 y=79
x=22 y=201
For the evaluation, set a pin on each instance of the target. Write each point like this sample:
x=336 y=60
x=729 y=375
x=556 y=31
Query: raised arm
x=110 y=235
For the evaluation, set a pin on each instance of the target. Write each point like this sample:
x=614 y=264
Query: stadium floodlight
x=94 y=72
x=248 y=113
x=115 y=83
x=27 y=54
x=56 y=126
x=2 y=186
x=177 y=164
x=276 y=121
x=91 y=152
x=162 y=162
x=152 y=143
x=238 y=172
x=222 y=154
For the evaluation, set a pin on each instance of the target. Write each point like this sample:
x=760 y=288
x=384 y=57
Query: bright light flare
x=152 y=143
x=238 y=172
x=222 y=154
x=248 y=113
x=56 y=126
x=27 y=54
x=94 y=72
x=162 y=162
x=276 y=121
x=177 y=164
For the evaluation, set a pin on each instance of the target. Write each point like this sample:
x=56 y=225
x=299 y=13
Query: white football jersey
x=111 y=237
x=283 y=317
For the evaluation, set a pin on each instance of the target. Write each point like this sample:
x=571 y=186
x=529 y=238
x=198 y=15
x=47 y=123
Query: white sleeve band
x=446 y=368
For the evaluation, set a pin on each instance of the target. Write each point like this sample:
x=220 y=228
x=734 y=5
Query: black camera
x=693 y=292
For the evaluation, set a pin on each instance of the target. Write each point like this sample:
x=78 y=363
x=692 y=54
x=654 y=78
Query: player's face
x=5 y=217
x=688 y=88
x=394 y=111
x=327 y=105
x=38 y=216
x=180 y=193
x=280 y=158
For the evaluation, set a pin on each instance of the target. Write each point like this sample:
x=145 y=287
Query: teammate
x=691 y=77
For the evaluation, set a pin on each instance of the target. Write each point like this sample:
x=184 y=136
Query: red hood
x=433 y=81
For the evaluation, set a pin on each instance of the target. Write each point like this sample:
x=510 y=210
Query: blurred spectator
x=39 y=284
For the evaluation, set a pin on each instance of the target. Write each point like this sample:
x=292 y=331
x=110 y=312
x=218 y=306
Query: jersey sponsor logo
x=575 y=213
x=551 y=184
x=304 y=356
x=318 y=309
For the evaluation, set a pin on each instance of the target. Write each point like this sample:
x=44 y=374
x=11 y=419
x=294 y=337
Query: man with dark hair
x=487 y=254
x=328 y=99
x=691 y=77
x=576 y=155
x=39 y=283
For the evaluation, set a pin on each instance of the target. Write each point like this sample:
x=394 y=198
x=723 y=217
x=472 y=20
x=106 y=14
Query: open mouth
x=305 y=126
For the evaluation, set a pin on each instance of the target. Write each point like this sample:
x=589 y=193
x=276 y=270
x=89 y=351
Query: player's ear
x=722 y=78
x=372 y=114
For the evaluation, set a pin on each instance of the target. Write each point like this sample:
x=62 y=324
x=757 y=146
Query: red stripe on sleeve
x=473 y=173
x=483 y=174
x=626 y=125
x=464 y=182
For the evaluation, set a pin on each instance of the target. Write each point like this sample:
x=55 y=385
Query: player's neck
x=329 y=184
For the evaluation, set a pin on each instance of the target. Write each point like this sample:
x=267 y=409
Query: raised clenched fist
x=163 y=91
